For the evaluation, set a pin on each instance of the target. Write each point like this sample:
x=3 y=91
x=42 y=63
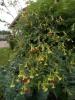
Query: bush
x=43 y=62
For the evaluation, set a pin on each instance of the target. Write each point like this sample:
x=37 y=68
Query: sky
x=14 y=10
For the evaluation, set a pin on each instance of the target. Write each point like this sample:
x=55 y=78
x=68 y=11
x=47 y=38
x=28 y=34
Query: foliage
x=4 y=32
x=12 y=41
x=45 y=59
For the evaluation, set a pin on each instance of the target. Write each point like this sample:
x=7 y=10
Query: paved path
x=4 y=44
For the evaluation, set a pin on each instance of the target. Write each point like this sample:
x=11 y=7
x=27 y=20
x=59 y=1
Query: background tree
x=5 y=8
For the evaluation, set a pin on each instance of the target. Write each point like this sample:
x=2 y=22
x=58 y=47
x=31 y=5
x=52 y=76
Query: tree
x=5 y=7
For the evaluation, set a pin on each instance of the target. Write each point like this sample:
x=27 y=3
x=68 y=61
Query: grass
x=4 y=55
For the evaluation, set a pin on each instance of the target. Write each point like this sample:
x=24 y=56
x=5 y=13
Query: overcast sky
x=13 y=12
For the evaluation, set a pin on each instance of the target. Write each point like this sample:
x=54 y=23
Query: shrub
x=42 y=64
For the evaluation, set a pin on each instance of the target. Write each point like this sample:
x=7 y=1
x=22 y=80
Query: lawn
x=4 y=55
